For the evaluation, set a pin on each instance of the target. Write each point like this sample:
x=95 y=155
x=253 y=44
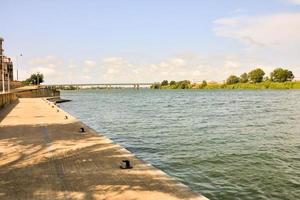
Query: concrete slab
x=43 y=155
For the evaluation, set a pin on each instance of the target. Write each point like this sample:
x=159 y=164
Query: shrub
x=232 y=80
x=172 y=83
x=244 y=78
x=164 y=83
x=256 y=75
x=282 y=75
x=155 y=86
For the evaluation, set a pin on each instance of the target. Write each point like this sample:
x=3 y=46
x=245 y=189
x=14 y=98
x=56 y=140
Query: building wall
x=6 y=65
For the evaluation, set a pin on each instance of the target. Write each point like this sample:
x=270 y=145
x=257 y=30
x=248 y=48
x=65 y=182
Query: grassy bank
x=213 y=85
x=265 y=85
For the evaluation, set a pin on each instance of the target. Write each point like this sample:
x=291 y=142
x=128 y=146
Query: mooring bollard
x=82 y=130
x=52 y=106
x=66 y=117
x=57 y=110
x=125 y=164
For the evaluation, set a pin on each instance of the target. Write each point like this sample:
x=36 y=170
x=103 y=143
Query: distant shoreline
x=252 y=86
x=208 y=86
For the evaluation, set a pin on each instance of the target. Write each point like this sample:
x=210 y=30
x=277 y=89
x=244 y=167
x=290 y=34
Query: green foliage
x=155 y=86
x=202 y=85
x=34 y=79
x=266 y=78
x=232 y=80
x=280 y=79
x=184 y=84
x=214 y=86
x=256 y=75
x=244 y=78
x=282 y=75
x=172 y=83
x=265 y=85
x=164 y=83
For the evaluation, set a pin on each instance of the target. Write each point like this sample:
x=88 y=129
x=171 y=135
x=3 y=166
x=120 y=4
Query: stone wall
x=7 y=98
x=36 y=93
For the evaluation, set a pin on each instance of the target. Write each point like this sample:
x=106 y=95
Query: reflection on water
x=225 y=144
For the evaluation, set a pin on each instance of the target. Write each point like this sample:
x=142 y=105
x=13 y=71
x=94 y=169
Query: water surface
x=225 y=144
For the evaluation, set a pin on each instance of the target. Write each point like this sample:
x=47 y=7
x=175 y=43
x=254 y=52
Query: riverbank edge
x=93 y=131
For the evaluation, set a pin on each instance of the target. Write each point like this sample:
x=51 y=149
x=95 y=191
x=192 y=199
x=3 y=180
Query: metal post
x=8 y=80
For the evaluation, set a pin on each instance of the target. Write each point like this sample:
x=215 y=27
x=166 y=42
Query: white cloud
x=276 y=31
x=47 y=60
x=72 y=66
x=46 y=71
x=54 y=69
x=181 y=67
x=89 y=63
x=272 y=40
x=47 y=65
x=294 y=1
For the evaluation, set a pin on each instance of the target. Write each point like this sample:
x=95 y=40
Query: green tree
x=290 y=76
x=184 y=84
x=256 y=75
x=244 y=78
x=281 y=75
x=266 y=78
x=203 y=84
x=232 y=80
x=164 y=83
x=155 y=86
x=35 y=79
x=172 y=83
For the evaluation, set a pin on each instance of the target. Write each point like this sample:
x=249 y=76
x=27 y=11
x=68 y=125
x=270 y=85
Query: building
x=6 y=68
x=6 y=64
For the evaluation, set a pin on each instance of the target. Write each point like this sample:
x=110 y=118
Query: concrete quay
x=44 y=156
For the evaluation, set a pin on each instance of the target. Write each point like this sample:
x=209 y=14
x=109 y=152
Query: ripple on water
x=226 y=144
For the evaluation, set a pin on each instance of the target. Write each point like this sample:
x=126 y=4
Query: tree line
x=278 y=75
x=258 y=75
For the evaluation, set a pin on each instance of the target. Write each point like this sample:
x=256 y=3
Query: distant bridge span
x=105 y=85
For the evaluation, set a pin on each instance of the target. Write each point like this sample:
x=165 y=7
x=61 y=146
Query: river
x=224 y=144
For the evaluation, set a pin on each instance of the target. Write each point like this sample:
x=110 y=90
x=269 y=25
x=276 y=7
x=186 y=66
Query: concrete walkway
x=44 y=156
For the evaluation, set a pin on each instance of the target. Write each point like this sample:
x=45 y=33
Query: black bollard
x=66 y=117
x=125 y=164
x=57 y=110
x=82 y=130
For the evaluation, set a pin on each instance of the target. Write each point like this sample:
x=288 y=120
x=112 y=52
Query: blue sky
x=134 y=40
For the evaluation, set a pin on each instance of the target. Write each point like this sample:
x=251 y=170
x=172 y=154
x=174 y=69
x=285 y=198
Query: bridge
x=100 y=85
